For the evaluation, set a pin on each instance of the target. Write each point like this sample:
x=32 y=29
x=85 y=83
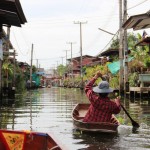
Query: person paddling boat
x=101 y=108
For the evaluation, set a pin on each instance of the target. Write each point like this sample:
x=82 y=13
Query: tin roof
x=13 y=6
x=9 y=18
x=138 y=22
x=79 y=57
x=109 y=52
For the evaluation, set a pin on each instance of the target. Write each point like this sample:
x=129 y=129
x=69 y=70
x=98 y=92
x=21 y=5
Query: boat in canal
x=27 y=140
x=79 y=113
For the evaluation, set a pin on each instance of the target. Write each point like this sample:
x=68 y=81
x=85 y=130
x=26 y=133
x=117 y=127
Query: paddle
x=134 y=124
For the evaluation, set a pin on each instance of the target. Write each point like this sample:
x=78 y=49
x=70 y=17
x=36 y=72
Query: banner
x=13 y=141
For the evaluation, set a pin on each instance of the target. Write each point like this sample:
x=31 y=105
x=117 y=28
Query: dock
x=144 y=86
x=140 y=91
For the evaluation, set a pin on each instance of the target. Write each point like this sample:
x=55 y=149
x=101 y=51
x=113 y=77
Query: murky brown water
x=49 y=110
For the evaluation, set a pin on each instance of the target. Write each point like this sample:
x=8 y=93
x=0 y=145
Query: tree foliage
x=61 y=69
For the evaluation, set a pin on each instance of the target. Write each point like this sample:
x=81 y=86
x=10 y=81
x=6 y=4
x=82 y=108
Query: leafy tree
x=147 y=61
x=20 y=79
x=90 y=71
x=7 y=70
x=61 y=70
x=34 y=69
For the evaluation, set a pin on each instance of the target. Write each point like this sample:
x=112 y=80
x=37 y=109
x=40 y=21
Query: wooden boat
x=78 y=114
x=27 y=140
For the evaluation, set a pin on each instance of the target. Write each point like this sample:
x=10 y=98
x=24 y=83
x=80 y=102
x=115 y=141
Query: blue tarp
x=115 y=66
x=36 y=78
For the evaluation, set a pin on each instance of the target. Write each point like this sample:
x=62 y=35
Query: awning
x=40 y=73
x=13 y=6
x=137 y=22
x=9 y=18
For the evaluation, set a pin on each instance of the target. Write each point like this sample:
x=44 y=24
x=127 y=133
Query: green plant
x=114 y=82
x=133 y=79
x=147 y=61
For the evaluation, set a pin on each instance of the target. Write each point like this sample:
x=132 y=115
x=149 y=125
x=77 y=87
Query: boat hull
x=79 y=113
x=27 y=140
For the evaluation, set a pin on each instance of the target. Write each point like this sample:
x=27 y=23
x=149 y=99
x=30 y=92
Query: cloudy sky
x=51 y=26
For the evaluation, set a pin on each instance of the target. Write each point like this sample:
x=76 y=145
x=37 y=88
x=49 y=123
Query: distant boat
x=49 y=86
x=78 y=114
x=27 y=140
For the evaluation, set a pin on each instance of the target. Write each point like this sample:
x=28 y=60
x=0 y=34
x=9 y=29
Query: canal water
x=49 y=110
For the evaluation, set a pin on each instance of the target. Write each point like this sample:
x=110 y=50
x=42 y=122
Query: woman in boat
x=101 y=108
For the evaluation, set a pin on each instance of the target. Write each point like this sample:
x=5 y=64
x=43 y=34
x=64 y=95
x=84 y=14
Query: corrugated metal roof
x=84 y=56
x=109 y=52
x=13 y=6
x=9 y=18
x=138 y=22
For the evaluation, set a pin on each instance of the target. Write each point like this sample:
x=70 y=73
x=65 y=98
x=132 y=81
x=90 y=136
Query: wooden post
x=31 y=66
x=121 y=74
x=1 y=57
x=14 y=77
x=81 y=73
x=7 y=49
x=71 y=58
x=126 y=84
x=66 y=61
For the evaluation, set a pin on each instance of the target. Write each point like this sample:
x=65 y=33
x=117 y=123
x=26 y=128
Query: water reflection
x=96 y=141
x=49 y=110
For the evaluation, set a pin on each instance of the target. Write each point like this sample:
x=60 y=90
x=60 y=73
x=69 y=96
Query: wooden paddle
x=134 y=124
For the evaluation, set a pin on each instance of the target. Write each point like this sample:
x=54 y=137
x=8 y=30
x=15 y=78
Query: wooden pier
x=144 y=86
x=139 y=90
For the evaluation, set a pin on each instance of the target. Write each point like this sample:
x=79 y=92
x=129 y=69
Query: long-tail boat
x=79 y=113
x=28 y=140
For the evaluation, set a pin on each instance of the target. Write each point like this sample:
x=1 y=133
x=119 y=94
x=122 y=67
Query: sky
x=52 y=25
